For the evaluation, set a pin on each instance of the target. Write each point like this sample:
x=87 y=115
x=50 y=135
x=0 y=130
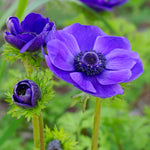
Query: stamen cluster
x=94 y=65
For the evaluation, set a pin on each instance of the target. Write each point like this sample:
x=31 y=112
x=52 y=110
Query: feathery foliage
x=43 y=80
x=67 y=142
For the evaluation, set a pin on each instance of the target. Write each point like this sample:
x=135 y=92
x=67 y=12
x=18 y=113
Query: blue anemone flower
x=92 y=61
x=30 y=34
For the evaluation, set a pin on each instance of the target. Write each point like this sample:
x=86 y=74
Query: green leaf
x=11 y=128
x=13 y=54
x=34 y=5
x=2 y=66
x=82 y=98
x=67 y=142
x=92 y=15
x=21 y=7
x=8 y=13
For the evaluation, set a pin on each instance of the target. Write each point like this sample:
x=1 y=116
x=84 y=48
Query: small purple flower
x=30 y=34
x=54 y=145
x=92 y=61
x=26 y=93
x=100 y=5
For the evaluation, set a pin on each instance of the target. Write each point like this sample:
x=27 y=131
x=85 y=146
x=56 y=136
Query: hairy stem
x=96 y=124
x=41 y=130
x=29 y=68
x=35 y=123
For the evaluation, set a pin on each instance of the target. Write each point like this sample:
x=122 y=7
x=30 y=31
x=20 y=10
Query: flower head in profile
x=100 y=5
x=26 y=93
x=30 y=34
x=92 y=61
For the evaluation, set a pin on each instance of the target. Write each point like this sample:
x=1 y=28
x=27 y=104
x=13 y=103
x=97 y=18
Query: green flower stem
x=41 y=129
x=94 y=13
x=3 y=65
x=29 y=68
x=106 y=23
x=96 y=124
x=22 y=4
x=35 y=123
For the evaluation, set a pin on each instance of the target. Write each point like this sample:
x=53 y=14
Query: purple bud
x=54 y=145
x=13 y=25
x=26 y=93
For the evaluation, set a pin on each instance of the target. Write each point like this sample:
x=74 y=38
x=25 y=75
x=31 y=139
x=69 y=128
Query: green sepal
x=13 y=54
x=67 y=143
x=81 y=98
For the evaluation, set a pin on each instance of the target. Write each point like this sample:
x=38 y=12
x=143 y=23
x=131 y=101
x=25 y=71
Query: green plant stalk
x=35 y=118
x=10 y=130
x=22 y=4
x=28 y=67
x=106 y=23
x=38 y=129
x=3 y=66
x=35 y=123
x=41 y=129
x=101 y=18
x=96 y=124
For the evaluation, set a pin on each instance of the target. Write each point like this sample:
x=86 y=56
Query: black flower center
x=90 y=58
x=90 y=62
x=21 y=89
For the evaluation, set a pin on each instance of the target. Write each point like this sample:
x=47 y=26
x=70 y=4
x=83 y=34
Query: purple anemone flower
x=26 y=93
x=92 y=61
x=100 y=5
x=30 y=34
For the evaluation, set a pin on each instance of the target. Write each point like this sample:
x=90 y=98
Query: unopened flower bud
x=26 y=93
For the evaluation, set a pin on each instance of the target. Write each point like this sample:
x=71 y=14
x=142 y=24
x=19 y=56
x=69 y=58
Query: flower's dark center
x=21 y=89
x=90 y=62
x=106 y=1
x=90 y=58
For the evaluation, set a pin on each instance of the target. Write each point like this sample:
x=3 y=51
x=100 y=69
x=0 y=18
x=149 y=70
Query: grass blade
x=8 y=13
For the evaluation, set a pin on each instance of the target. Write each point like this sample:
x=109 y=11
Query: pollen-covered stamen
x=90 y=62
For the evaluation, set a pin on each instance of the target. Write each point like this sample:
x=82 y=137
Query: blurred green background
x=125 y=120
